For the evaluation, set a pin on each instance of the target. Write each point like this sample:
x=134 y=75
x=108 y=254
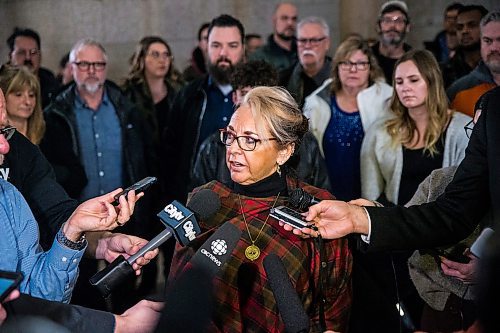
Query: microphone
x=179 y=221
x=302 y=200
x=192 y=291
x=289 y=305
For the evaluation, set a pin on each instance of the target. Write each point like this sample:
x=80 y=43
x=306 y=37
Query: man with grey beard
x=392 y=26
x=96 y=141
x=314 y=66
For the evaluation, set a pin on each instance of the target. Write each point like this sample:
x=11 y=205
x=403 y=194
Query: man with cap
x=392 y=26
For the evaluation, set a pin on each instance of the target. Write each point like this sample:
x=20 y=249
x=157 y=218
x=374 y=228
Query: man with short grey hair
x=96 y=141
x=314 y=66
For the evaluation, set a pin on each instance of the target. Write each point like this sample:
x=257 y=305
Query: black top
x=269 y=186
x=417 y=165
x=386 y=63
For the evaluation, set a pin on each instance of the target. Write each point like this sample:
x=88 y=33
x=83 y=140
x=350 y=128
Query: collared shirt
x=101 y=153
x=50 y=275
x=218 y=111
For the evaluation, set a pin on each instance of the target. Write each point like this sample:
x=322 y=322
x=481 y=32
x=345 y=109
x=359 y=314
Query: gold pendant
x=252 y=252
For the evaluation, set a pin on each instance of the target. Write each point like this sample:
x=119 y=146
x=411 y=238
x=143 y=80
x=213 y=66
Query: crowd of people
x=380 y=125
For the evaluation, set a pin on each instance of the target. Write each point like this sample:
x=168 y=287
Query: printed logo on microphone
x=218 y=247
x=190 y=233
x=173 y=212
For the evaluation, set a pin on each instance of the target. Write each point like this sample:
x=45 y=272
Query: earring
x=278 y=170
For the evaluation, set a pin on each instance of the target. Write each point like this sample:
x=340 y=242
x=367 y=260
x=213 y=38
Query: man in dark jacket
x=202 y=107
x=468 y=52
x=25 y=50
x=314 y=66
x=281 y=49
x=96 y=142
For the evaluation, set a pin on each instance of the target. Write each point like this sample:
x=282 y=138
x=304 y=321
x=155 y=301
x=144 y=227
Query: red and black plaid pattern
x=244 y=300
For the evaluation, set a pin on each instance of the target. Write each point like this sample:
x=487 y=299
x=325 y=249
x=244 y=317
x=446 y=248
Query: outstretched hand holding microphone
x=332 y=218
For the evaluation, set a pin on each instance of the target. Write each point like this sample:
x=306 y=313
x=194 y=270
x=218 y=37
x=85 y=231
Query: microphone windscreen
x=295 y=197
x=204 y=203
x=289 y=305
x=216 y=251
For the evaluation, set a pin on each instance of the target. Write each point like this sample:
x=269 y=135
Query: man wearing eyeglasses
x=25 y=50
x=392 y=26
x=95 y=140
x=314 y=66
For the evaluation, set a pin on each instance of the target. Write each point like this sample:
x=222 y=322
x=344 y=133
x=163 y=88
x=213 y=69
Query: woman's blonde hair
x=402 y=128
x=15 y=79
x=344 y=51
x=274 y=109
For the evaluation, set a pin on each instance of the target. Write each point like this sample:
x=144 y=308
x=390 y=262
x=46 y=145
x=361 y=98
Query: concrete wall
x=119 y=24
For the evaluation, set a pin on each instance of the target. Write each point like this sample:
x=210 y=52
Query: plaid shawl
x=244 y=301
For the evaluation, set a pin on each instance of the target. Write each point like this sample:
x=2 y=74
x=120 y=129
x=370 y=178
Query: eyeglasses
x=85 y=65
x=245 y=142
x=360 y=65
x=157 y=55
x=468 y=128
x=7 y=132
x=397 y=20
x=312 y=41
x=23 y=53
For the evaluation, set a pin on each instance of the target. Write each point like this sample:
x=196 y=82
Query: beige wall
x=119 y=24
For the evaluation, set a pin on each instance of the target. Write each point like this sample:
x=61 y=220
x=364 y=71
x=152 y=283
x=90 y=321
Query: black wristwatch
x=78 y=245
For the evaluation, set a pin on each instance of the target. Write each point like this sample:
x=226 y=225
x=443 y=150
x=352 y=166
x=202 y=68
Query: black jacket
x=75 y=318
x=181 y=137
x=61 y=147
x=474 y=190
x=48 y=86
x=306 y=162
x=30 y=172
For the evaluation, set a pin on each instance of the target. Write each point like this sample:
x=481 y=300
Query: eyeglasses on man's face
x=468 y=128
x=7 y=132
x=359 y=65
x=311 y=41
x=245 y=142
x=157 y=55
x=85 y=65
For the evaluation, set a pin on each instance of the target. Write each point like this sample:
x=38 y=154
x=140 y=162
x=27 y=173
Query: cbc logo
x=219 y=247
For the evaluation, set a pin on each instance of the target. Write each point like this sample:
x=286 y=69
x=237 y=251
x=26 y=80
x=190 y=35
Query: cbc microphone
x=289 y=305
x=179 y=221
x=302 y=200
x=192 y=290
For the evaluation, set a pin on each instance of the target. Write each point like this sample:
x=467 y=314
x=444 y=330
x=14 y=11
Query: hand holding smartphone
x=8 y=282
x=138 y=187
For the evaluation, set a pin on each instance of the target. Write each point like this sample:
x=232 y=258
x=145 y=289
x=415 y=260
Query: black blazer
x=454 y=215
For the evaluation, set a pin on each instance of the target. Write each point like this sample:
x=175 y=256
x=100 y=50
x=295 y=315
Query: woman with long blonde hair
x=422 y=135
x=23 y=101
